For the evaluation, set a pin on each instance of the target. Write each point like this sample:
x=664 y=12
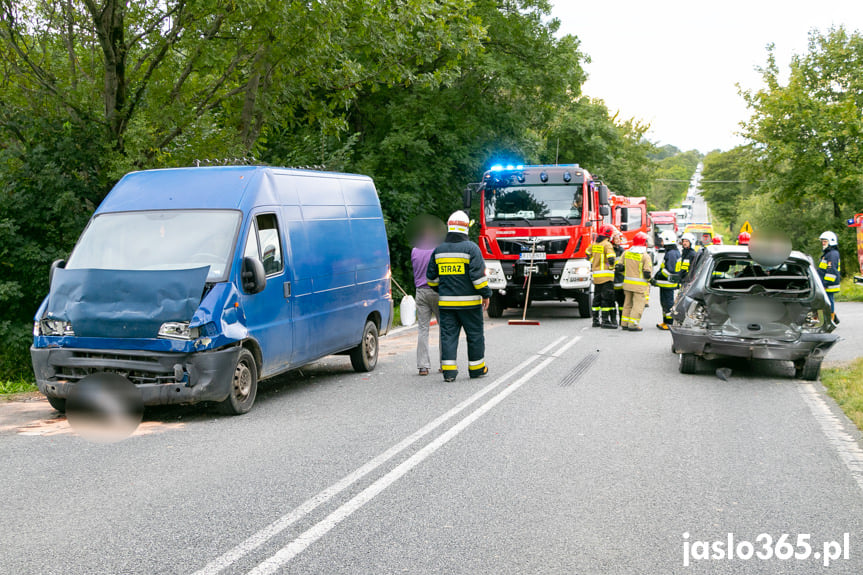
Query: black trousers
x=451 y=322
x=603 y=296
x=666 y=300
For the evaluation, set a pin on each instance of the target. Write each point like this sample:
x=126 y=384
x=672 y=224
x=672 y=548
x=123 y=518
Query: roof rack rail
x=315 y=167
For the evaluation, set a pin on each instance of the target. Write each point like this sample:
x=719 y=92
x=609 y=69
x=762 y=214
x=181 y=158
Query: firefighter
x=617 y=242
x=637 y=268
x=743 y=238
x=667 y=277
x=829 y=269
x=687 y=254
x=457 y=271
x=602 y=257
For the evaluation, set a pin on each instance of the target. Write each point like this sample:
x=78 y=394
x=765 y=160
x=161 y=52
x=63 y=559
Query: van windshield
x=163 y=240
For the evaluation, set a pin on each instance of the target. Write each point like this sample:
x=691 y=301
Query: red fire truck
x=629 y=215
x=539 y=219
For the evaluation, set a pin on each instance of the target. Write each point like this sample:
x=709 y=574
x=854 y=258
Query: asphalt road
x=583 y=451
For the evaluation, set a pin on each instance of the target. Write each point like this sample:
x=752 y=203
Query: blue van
x=195 y=283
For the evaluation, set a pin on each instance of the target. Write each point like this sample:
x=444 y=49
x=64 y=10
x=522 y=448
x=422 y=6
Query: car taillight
x=813 y=321
x=696 y=315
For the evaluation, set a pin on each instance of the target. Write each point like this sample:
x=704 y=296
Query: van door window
x=270 y=243
x=634 y=217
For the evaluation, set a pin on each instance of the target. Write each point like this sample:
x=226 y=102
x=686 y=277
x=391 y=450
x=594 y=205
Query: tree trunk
x=109 y=22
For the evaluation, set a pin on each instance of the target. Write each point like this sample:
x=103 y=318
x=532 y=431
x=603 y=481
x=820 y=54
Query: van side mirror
x=56 y=264
x=603 y=210
x=603 y=195
x=253 y=277
x=466 y=197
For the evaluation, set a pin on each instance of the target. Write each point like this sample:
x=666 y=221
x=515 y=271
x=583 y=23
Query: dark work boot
x=595 y=313
x=606 y=321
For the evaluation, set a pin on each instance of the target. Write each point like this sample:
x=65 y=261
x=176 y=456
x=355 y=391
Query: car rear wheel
x=688 y=363
x=808 y=369
x=364 y=357
x=244 y=386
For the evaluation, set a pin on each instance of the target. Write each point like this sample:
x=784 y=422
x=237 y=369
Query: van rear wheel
x=364 y=357
x=244 y=386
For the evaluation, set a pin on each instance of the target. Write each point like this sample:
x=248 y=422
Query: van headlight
x=178 y=330
x=49 y=326
x=494 y=273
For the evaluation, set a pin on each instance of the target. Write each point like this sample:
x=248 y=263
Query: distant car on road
x=733 y=306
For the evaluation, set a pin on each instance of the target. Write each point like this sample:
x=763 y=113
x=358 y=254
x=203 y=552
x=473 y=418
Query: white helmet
x=831 y=238
x=668 y=237
x=688 y=237
x=458 y=222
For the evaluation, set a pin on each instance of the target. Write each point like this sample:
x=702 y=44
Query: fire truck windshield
x=552 y=205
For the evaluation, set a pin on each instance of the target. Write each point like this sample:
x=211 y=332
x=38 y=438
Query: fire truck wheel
x=583 y=299
x=495 y=306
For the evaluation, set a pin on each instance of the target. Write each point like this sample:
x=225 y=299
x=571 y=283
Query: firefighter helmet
x=689 y=238
x=743 y=238
x=458 y=222
x=831 y=238
x=668 y=237
x=606 y=230
x=640 y=239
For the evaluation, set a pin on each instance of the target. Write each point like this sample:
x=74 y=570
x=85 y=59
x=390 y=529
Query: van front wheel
x=244 y=386
x=364 y=357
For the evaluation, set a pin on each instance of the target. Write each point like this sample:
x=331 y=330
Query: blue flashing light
x=497 y=168
x=510 y=167
x=519 y=167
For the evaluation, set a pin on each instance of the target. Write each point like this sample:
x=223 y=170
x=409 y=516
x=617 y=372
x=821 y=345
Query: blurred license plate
x=531 y=269
x=533 y=256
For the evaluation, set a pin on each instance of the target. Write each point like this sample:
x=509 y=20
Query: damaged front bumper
x=162 y=378
x=710 y=346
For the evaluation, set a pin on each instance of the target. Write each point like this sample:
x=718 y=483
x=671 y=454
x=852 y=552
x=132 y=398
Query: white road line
x=845 y=445
x=298 y=545
x=257 y=539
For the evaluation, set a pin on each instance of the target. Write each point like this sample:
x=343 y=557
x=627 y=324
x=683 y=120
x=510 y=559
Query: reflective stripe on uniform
x=459 y=300
x=603 y=274
x=666 y=284
x=452 y=258
x=635 y=281
x=822 y=264
x=480 y=283
x=829 y=277
x=433 y=283
x=832 y=289
x=448 y=367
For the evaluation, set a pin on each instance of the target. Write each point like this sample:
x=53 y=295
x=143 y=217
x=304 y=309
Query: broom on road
x=524 y=321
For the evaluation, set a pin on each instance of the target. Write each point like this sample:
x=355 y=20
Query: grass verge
x=20 y=386
x=849 y=291
x=845 y=385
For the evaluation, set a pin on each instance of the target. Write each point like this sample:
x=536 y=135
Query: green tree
x=724 y=184
x=807 y=139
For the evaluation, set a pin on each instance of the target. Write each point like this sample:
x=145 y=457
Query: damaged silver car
x=736 y=304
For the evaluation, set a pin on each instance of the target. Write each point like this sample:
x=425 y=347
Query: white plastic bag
x=408 y=310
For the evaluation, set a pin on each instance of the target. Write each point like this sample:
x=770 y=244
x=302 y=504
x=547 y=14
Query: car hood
x=124 y=303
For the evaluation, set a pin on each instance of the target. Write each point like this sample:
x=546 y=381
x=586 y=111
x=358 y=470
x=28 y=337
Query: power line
x=710 y=181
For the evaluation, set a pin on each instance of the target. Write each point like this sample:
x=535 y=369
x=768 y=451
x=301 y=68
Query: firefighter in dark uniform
x=602 y=256
x=687 y=255
x=830 y=269
x=457 y=271
x=667 y=277
x=617 y=242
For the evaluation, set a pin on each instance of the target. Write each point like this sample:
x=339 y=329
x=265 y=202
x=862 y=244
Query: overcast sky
x=675 y=63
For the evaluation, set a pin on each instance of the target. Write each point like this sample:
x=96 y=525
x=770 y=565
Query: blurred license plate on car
x=533 y=256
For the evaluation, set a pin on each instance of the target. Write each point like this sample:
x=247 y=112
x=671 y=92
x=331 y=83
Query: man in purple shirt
x=426 y=300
